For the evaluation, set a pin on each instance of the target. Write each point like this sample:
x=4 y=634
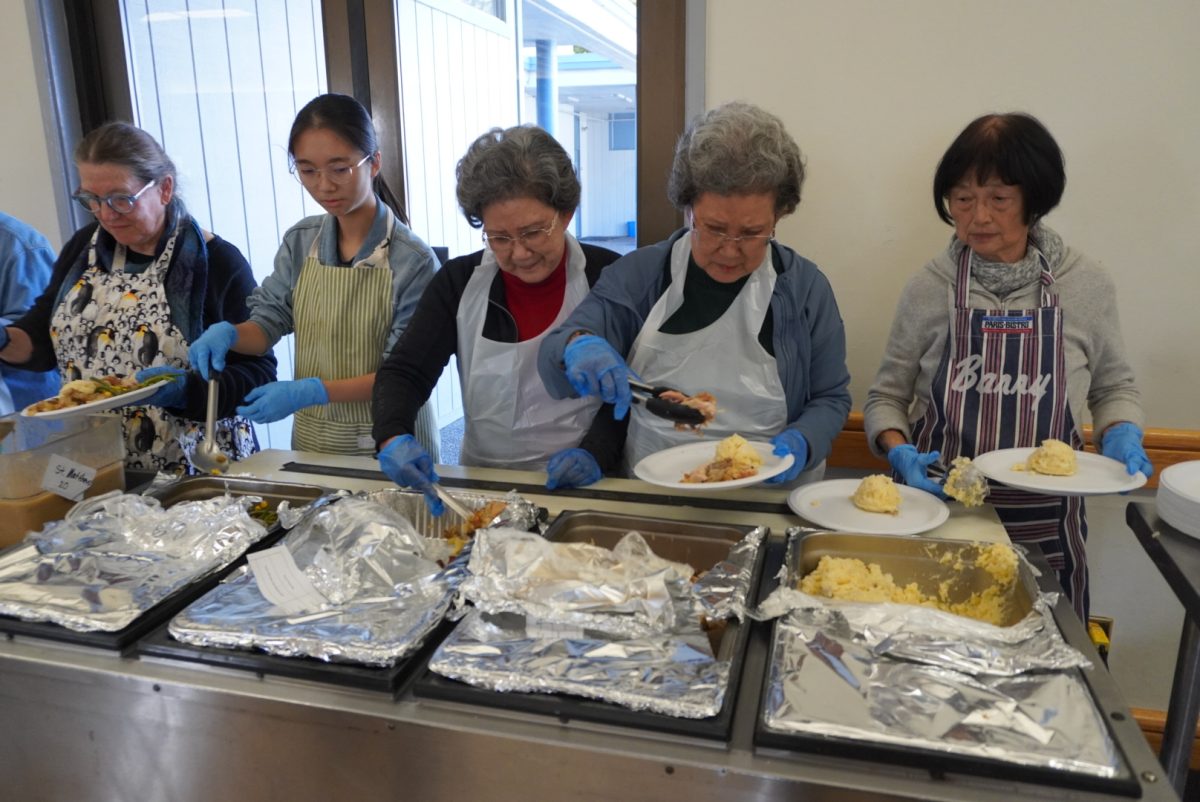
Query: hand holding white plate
x=99 y=405
x=666 y=468
x=829 y=504
x=1097 y=475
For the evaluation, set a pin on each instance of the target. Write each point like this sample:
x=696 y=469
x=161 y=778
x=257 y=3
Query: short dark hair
x=1017 y=149
x=518 y=162
x=350 y=120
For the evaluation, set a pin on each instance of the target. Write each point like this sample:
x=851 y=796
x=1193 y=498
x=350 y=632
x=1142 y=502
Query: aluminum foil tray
x=194 y=488
x=701 y=545
x=915 y=559
x=392 y=679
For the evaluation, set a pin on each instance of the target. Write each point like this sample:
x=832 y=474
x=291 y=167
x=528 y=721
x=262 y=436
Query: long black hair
x=346 y=117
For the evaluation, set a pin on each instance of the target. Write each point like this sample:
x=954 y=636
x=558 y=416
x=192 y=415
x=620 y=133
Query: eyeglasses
x=721 y=239
x=119 y=202
x=339 y=175
x=534 y=238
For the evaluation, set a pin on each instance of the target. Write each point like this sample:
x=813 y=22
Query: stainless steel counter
x=84 y=724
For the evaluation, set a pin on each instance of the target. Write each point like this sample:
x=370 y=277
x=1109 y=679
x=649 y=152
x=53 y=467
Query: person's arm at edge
x=31 y=347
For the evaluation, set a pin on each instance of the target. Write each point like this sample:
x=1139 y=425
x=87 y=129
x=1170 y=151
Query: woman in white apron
x=345 y=282
x=491 y=309
x=1004 y=339
x=129 y=292
x=719 y=307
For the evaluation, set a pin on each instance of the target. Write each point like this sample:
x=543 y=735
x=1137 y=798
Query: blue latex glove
x=169 y=393
x=913 y=468
x=1123 y=442
x=595 y=368
x=208 y=351
x=277 y=400
x=789 y=441
x=572 y=467
x=407 y=464
x=3 y=337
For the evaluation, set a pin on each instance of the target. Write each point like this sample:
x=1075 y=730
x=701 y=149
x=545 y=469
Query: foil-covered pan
x=906 y=683
x=677 y=667
x=377 y=560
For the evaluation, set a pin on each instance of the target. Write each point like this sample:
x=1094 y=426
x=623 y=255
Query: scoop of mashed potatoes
x=735 y=459
x=1053 y=458
x=877 y=493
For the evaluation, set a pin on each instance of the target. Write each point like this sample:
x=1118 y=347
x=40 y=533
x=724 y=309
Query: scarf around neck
x=1003 y=278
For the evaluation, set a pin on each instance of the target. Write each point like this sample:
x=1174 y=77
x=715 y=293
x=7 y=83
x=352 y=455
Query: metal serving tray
x=701 y=545
x=393 y=679
x=188 y=489
x=917 y=559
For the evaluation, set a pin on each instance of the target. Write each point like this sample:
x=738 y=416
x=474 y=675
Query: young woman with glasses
x=718 y=307
x=492 y=308
x=128 y=294
x=346 y=282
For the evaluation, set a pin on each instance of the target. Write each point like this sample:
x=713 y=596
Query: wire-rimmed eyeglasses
x=534 y=238
x=119 y=202
x=338 y=174
x=720 y=239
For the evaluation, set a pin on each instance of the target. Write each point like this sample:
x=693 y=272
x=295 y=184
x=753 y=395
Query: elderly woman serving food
x=492 y=308
x=719 y=307
x=1004 y=338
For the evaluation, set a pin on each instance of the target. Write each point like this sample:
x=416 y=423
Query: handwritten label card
x=282 y=583
x=67 y=478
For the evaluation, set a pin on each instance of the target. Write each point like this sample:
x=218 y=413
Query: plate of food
x=873 y=506
x=1056 y=469
x=85 y=396
x=713 y=465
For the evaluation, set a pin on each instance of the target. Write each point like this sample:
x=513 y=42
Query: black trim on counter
x=678 y=500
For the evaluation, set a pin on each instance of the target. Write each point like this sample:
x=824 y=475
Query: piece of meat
x=704 y=403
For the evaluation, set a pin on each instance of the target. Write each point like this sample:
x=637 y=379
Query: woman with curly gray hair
x=719 y=306
x=491 y=308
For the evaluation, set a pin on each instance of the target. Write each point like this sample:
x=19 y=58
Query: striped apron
x=1002 y=383
x=342 y=319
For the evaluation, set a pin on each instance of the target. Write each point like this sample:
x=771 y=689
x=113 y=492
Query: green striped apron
x=342 y=317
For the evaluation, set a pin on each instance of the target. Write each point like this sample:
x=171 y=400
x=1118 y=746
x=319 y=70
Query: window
x=622 y=131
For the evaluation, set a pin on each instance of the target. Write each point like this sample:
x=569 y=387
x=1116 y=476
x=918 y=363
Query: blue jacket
x=808 y=336
x=26 y=260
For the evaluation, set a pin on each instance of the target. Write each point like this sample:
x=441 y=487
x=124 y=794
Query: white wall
x=26 y=189
x=875 y=91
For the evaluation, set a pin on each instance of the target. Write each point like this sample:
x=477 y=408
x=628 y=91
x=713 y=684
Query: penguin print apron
x=114 y=323
x=1002 y=383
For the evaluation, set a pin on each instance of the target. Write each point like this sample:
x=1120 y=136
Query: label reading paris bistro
x=67 y=478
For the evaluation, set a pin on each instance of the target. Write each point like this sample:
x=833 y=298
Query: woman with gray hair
x=719 y=306
x=492 y=308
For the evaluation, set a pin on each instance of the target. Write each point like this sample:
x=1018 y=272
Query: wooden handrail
x=1165 y=447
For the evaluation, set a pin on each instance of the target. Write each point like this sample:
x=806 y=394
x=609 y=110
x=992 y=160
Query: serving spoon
x=208 y=457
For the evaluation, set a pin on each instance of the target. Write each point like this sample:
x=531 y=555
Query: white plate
x=828 y=504
x=666 y=468
x=100 y=404
x=1097 y=475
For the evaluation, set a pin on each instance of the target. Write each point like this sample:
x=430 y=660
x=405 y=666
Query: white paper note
x=282 y=583
x=67 y=478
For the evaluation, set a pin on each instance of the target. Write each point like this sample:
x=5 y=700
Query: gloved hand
x=913 y=467
x=277 y=400
x=1123 y=442
x=208 y=351
x=789 y=441
x=595 y=368
x=572 y=467
x=169 y=393
x=407 y=464
x=4 y=338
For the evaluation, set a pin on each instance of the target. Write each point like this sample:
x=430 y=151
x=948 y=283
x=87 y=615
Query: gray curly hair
x=519 y=162
x=737 y=149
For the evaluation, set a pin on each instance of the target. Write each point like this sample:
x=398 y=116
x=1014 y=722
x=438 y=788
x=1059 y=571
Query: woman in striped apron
x=1004 y=339
x=345 y=282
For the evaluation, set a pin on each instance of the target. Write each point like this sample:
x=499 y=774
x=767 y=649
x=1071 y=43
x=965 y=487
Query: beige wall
x=26 y=184
x=874 y=91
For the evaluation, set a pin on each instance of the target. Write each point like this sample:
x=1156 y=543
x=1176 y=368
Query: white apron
x=511 y=421
x=342 y=318
x=724 y=358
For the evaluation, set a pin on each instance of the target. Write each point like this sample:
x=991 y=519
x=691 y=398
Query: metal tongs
x=671 y=410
